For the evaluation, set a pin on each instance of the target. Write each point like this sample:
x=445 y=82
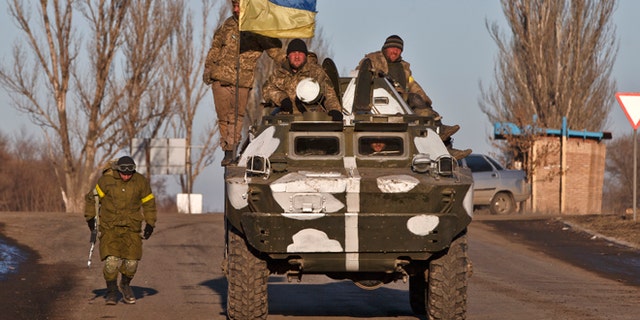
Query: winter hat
x=393 y=41
x=126 y=165
x=297 y=45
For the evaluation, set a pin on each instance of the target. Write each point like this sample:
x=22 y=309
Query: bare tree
x=25 y=175
x=109 y=108
x=556 y=64
x=185 y=65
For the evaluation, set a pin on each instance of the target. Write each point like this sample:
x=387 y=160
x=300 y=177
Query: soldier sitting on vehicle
x=282 y=86
x=388 y=63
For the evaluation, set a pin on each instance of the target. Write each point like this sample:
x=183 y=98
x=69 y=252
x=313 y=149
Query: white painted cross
x=630 y=103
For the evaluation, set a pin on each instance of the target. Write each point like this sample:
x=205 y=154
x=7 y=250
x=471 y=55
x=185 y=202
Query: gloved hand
x=92 y=223
x=335 y=115
x=148 y=230
x=286 y=105
x=300 y=105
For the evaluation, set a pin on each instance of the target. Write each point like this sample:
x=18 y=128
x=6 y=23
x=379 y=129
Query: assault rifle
x=94 y=232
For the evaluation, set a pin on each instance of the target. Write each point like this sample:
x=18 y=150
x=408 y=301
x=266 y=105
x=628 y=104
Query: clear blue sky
x=447 y=44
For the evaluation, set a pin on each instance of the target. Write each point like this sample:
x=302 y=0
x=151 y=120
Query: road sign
x=630 y=103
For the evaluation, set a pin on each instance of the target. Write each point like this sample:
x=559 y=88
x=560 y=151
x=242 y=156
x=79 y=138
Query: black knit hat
x=297 y=45
x=393 y=41
x=126 y=165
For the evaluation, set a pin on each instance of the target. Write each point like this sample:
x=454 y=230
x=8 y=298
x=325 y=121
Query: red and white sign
x=630 y=103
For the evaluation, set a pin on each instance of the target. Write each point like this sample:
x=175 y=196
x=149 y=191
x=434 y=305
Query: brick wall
x=584 y=176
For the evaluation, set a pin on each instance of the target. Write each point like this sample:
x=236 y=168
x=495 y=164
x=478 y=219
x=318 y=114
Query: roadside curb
x=599 y=235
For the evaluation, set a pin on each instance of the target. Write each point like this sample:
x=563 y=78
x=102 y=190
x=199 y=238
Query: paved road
x=180 y=277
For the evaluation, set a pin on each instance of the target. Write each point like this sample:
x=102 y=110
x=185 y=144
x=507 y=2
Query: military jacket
x=379 y=64
x=220 y=64
x=282 y=84
x=123 y=207
x=121 y=202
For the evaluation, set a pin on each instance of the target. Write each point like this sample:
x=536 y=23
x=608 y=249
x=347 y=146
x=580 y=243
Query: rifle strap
x=96 y=197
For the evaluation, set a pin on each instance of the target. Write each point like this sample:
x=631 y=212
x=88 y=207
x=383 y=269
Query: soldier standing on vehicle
x=280 y=88
x=220 y=72
x=388 y=63
x=125 y=200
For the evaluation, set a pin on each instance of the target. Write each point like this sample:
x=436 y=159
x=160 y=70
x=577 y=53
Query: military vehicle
x=374 y=198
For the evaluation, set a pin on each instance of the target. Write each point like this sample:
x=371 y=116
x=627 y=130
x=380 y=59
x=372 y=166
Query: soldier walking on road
x=230 y=50
x=125 y=200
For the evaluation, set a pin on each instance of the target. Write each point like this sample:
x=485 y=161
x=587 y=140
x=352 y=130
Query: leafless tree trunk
x=106 y=109
x=184 y=70
x=557 y=63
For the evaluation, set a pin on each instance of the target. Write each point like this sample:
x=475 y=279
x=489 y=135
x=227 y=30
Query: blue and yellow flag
x=279 y=18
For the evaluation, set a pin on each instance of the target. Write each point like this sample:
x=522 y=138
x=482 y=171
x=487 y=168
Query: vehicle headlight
x=258 y=166
x=441 y=166
x=421 y=163
x=445 y=165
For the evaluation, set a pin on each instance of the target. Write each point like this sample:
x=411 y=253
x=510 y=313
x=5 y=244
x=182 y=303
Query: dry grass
x=621 y=227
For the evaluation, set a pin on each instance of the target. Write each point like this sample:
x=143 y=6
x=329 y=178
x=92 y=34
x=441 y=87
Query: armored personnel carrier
x=374 y=198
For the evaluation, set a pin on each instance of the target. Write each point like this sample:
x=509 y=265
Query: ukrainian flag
x=279 y=18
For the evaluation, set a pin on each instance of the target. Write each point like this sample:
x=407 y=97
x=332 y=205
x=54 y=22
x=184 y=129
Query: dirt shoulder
x=617 y=228
x=620 y=229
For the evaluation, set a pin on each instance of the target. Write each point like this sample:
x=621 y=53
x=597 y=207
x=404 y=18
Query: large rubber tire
x=502 y=203
x=418 y=293
x=448 y=278
x=247 y=278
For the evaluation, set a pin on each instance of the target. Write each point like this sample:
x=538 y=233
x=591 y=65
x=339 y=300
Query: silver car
x=494 y=186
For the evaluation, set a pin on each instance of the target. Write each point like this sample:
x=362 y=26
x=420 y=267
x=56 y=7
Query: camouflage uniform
x=121 y=219
x=220 y=72
x=407 y=85
x=411 y=91
x=282 y=84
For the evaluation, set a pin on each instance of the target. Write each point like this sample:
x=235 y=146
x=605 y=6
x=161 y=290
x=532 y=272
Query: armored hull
x=374 y=198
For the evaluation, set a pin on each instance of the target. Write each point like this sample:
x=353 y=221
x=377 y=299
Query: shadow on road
x=138 y=293
x=335 y=298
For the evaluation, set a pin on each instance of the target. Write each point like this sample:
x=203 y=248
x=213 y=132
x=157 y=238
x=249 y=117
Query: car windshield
x=478 y=164
x=495 y=164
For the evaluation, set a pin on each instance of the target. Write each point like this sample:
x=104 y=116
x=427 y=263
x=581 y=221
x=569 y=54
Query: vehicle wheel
x=247 y=277
x=502 y=203
x=448 y=276
x=418 y=293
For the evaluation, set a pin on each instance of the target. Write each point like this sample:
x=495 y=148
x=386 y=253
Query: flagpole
x=237 y=95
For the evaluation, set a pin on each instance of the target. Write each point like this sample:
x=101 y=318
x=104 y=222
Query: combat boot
x=459 y=154
x=127 y=292
x=228 y=158
x=447 y=131
x=112 y=292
